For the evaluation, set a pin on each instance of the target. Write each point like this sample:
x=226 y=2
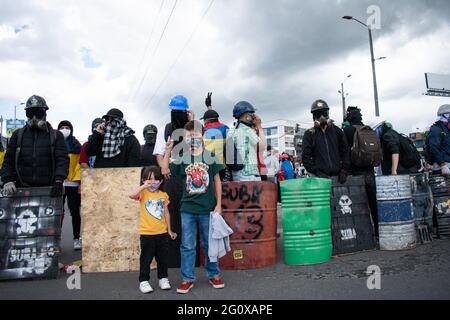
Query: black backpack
x=366 y=149
x=233 y=158
x=409 y=156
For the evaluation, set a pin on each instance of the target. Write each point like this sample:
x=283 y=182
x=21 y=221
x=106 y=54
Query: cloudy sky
x=85 y=57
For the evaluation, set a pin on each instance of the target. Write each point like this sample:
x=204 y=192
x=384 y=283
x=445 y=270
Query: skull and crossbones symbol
x=346 y=205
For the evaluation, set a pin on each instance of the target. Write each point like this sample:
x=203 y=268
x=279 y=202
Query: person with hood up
x=325 y=148
x=85 y=161
x=72 y=183
x=37 y=154
x=113 y=143
x=439 y=142
x=147 y=157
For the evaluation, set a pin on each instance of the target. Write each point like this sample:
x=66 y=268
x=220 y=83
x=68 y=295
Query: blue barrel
x=395 y=213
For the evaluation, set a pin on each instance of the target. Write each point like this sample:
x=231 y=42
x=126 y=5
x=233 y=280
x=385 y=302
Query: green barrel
x=306 y=221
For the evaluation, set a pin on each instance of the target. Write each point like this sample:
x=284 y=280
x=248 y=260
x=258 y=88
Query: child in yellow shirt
x=154 y=228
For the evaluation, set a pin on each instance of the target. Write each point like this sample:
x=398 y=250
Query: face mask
x=179 y=119
x=150 y=138
x=323 y=121
x=65 y=132
x=154 y=186
x=35 y=123
x=195 y=143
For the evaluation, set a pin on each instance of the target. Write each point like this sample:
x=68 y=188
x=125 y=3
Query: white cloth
x=219 y=237
x=272 y=165
x=160 y=145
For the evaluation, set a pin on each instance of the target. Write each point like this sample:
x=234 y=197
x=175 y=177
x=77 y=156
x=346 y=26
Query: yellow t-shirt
x=152 y=221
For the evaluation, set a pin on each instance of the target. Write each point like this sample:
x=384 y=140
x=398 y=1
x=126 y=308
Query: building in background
x=284 y=136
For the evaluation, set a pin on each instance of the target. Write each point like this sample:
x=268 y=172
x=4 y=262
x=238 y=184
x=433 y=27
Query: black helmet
x=114 y=113
x=36 y=102
x=210 y=114
x=150 y=129
x=319 y=105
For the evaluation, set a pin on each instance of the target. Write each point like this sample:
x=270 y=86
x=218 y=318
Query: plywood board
x=110 y=220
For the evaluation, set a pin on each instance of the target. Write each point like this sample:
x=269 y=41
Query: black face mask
x=179 y=119
x=150 y=138
x=322 y=116
x=37 y=118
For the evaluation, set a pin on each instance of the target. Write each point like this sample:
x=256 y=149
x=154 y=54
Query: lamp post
x=15 y=114
x=342 y=92
x=375 y=88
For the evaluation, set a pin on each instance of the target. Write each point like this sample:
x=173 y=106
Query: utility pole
x=342 y=92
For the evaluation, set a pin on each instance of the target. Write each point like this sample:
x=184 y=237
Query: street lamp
x=342 y=92
x=375 y=89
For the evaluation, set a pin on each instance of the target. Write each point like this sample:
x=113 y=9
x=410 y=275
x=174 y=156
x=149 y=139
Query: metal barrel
x=250 y=209
x=422 y=198
x=440 y=186
x=30 y=233
x=395 y=213
x=306 y=221
x=351 y=222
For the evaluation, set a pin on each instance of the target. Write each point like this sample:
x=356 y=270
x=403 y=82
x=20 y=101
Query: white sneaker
x=145 y=287
x=77 y=244
x=164 y=284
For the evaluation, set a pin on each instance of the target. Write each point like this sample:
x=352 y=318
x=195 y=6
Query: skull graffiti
x=346 y=205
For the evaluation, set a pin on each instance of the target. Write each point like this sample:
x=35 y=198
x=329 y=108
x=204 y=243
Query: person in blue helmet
x=180 y=116
x=249 y=139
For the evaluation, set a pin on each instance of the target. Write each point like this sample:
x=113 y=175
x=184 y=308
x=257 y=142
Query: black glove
x=208 y=100
x=342 y=176
x=58 y=189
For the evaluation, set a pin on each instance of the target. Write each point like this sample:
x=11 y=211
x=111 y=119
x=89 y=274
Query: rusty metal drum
x=395 y=213
x=423 y=207
x=440 y=187
x=250 y=209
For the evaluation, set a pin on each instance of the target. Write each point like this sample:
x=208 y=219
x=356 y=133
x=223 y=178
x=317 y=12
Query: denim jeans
x=190 y=224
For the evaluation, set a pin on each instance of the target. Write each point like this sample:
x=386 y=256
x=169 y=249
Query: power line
x=156 y=49
x=180 y=53
x=147 y=46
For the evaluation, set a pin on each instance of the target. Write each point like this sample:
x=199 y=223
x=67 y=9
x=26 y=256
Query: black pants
x=371 y=190
x=74 y=203
x=154 y=247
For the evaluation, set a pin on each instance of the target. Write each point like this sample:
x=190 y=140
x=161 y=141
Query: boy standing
x=202 y=192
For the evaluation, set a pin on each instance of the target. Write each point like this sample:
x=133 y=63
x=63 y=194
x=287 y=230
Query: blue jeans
x=189 y=229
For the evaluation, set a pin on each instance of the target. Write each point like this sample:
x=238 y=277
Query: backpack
x=288 y=171
x=20 y=133
x=409 y=156
x=233 y=158
x=366 y=149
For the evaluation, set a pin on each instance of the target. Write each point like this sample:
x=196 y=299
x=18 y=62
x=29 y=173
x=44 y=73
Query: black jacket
x=325 y=154
x=130 y=153
x=350 y=135
x=147 y=157
x=35 y=159
x=390 y=143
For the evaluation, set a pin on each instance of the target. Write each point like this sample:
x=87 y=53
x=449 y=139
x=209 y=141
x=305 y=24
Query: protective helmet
x=444 y=109
x=179 y=103
x=150 y=128
x=36 y=102
x=242 y=107
x=319 y=105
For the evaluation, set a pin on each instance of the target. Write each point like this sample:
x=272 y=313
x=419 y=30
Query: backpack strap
x=53 y=134
x=20 y=133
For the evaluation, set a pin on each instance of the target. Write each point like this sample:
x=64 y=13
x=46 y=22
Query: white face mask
x=65 y=132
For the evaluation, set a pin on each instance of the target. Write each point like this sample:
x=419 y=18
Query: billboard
x=11 y=127
x=437 y=84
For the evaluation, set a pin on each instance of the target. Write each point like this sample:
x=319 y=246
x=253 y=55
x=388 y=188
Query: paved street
x=423 y=273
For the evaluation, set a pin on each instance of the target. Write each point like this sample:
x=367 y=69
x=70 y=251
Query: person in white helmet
x=439 y=142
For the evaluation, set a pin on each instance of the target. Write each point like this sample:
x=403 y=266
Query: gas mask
x=321 y=117
x=37 y=118
x=179 y=119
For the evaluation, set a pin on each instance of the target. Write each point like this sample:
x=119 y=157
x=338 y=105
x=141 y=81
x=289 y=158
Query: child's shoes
x=164 y=284
x=145 y=287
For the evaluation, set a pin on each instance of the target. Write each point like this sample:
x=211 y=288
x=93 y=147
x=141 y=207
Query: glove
x=445 y=170
x=58 y=188
x=342 y=177
x=9 y=188
x=208 y=100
